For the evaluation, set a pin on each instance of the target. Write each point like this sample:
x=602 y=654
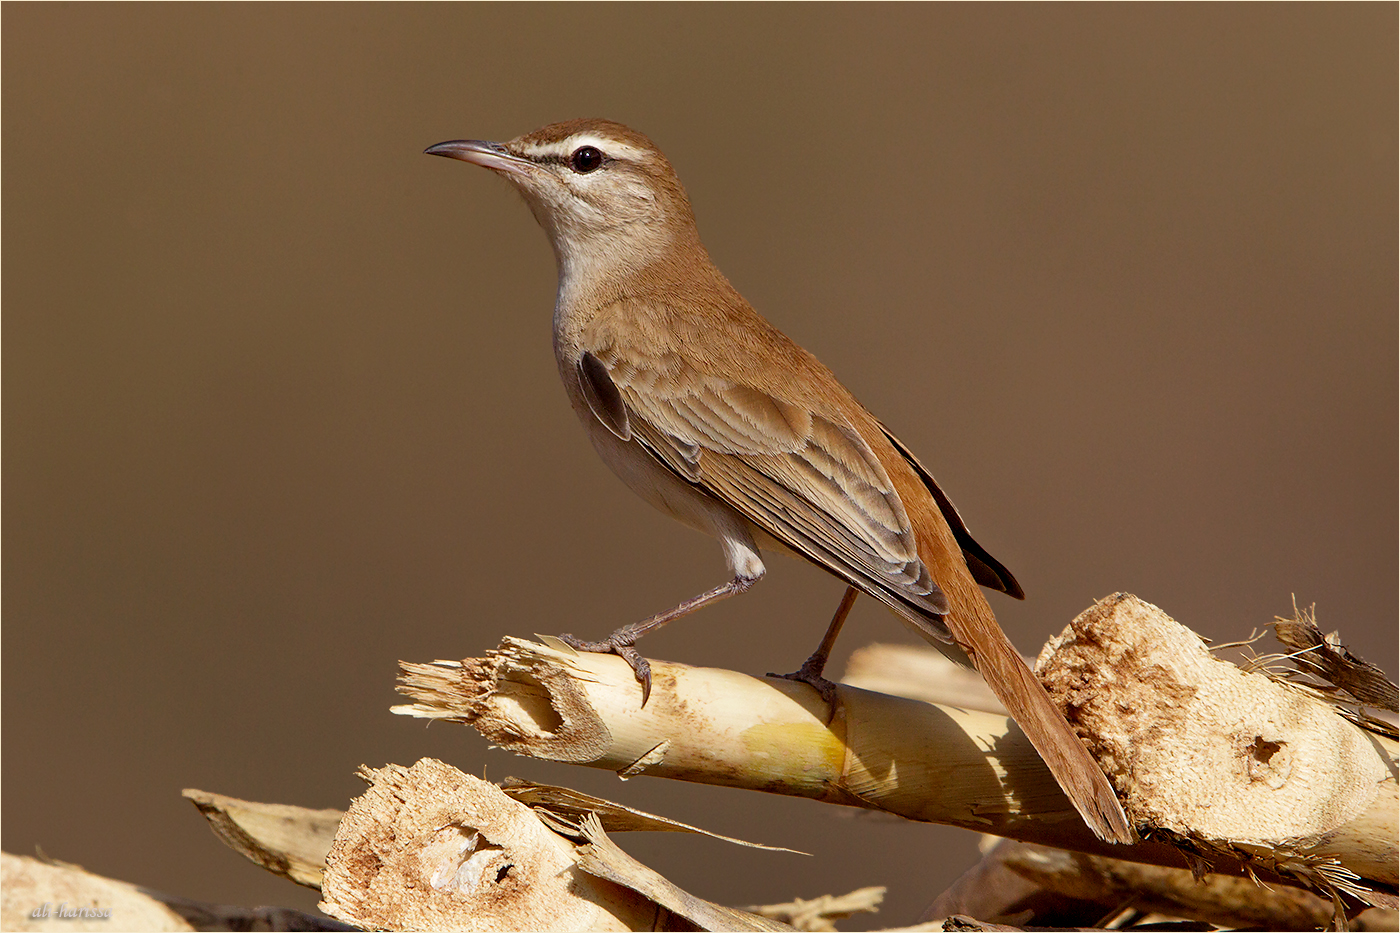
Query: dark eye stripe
x=553 y=159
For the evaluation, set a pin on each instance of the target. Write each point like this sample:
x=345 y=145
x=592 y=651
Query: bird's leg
x=621 y=641
x=810 y=672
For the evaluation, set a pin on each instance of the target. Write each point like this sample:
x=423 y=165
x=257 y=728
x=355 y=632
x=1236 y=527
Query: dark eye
x=585 y=159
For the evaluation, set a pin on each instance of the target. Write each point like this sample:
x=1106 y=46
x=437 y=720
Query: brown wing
x=808 y=481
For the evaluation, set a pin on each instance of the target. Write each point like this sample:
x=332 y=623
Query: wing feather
x=806 y=480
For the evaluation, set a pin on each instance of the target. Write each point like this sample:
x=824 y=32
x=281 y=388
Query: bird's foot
x=618 y=643
x=810 y=673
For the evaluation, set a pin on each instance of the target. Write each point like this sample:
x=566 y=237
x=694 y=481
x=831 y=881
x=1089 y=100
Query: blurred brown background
x=280 y=406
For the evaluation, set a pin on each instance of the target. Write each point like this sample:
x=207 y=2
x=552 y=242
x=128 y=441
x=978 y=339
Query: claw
x=622 y=647
x=811 y=674
x=621 y=641
x=641 y=667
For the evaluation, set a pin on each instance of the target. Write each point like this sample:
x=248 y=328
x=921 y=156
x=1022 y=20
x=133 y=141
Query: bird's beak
x=480 y=152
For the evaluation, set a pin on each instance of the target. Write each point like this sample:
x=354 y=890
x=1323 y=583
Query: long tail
x=956 y=563
x=975 y=630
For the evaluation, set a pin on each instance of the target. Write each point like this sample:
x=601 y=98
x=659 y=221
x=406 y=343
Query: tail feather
x=943 y=544
x=1005 y=671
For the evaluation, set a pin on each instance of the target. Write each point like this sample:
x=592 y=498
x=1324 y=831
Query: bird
x=715 y=417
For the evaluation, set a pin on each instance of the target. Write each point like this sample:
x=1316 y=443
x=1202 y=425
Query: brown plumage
x=714 y=416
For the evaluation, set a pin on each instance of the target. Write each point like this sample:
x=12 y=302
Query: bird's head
x=604 y=193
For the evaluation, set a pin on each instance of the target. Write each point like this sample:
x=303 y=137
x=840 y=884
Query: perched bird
x=715 y=417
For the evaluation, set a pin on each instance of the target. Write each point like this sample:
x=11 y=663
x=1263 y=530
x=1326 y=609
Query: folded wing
x=810 y=482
